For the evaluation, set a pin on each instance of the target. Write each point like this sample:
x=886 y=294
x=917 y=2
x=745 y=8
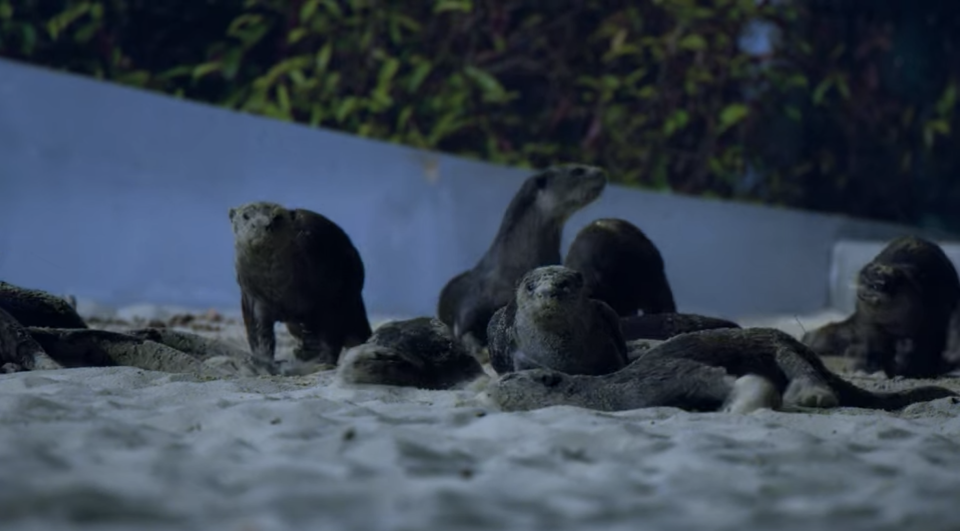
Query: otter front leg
x=873 y=353
x=313 y=345
x=807 y=386
x=259 y=325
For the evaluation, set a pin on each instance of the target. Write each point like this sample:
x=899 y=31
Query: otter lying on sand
x=551 y=323
x=420 y=352
x=906 y=296
x=698 y=370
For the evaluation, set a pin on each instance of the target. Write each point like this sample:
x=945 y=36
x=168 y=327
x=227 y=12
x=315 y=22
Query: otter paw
x=804 y=393
x=9 y=368
x=750 y=393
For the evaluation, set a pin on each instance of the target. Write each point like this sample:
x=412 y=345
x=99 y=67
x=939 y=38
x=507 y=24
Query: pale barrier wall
x=121 y=196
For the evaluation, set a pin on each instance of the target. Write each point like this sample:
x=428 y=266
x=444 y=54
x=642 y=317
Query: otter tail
x=852 y=396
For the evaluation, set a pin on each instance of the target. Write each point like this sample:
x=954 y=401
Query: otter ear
x=233 y=212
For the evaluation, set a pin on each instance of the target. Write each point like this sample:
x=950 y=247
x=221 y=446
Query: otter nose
x=554 y=289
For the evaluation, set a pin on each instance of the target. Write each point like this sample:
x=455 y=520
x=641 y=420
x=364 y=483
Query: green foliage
x=658 y=92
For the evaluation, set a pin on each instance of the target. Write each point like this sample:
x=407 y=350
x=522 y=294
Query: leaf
x=841 y=82
x=419 y=75
x=283 y=98
x=316 y=115
x=138 y=78
x=948 y=100
x=453 y=5
x=296 y=35
x=693 y=43
x=62 y=20
x=793 y=113
x=387 y=71
x=231 y=63
x=677 y=121
x=492 y=89
x=323 y=57
x=203 y=69
x=404 y=117
x=446 y=125
x=6 y=11
x=308 y=9
x=333 y=7
x=85 y=33
x=732 y=114
x=345 y=108
x=821 y=90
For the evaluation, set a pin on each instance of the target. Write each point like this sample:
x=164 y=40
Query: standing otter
x=419 y=352
x=906 y=296
x=300 y=268
x=551 y=323
x=529 y=237
x=622 y=267
x=696 y=371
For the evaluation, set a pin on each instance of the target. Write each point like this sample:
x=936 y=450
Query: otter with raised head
x=621 y=267
x=552 y=323
x=697 y=371
x=299 y=268
x=419 y=352
x=906 y=296
x=528 y=237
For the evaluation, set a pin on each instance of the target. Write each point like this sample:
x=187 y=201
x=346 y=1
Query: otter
x=33 y=307
x=299 y=268
x=552 y=323
x=662 y=326
x=419 y=352
x=622 y=267
x=529 y=236
x=906 y=297
x=701 y=371
x=19 y=351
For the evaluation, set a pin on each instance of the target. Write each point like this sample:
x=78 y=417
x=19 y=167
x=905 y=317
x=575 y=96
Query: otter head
x=885 y=289
x=562 y=190
x=550 y=286
x=254 y=222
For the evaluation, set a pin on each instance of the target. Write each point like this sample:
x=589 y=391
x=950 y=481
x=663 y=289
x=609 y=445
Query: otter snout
x=592 y=179
x=553 y=282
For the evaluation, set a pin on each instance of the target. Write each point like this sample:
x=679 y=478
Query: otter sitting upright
x=529 y=237
x=905 y=298
x=299 y=268
x=551 y=323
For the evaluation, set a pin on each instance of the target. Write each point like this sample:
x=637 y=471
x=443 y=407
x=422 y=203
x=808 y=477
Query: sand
x=123 y=448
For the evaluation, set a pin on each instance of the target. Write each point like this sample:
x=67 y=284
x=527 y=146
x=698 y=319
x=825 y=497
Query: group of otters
x=555 y=332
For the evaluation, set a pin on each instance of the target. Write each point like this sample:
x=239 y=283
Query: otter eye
x=579 y=171
x=246 y=217
x=541 y=182
x=531 y=286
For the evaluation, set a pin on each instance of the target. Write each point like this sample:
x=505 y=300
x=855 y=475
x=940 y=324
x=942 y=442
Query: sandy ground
x=122 y=448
